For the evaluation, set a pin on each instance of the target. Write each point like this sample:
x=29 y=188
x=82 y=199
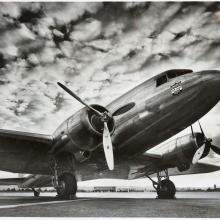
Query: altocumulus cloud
x=100 y=50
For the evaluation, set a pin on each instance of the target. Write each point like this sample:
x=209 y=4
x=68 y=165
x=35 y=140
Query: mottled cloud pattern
x=100 y=50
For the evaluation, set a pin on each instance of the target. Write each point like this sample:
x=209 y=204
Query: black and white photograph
x=110 y=109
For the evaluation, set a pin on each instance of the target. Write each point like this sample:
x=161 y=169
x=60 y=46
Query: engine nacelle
x=180 y=151
x=85 y=128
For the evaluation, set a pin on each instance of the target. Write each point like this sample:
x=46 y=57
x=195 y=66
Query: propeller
x=104 y=116
x=206 y=146
x=78 y=98
x=198 y=154
x=108 y=149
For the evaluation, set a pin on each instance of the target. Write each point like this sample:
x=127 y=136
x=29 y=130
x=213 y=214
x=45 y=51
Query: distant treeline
x=112 y=190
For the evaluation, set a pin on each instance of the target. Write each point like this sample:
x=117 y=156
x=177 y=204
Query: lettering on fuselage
x=176 y=88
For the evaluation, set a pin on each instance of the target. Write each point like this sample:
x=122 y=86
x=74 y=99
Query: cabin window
x=161 y=80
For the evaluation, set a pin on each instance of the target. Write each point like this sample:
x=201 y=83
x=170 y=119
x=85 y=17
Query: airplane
x=121 y=140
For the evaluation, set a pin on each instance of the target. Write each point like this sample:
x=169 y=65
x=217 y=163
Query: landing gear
x=64 y=181
x=67 y=186
x=165 y=188
x=36 y=193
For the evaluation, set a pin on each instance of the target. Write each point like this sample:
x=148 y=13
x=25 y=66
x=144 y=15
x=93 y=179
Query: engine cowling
x=85 y=128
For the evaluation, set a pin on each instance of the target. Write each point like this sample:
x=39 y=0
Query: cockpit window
x=183 y=72
x=170 y=74
x=161 y=80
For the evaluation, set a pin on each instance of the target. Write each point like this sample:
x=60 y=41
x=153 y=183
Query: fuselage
x=159 y=113
x=163 y=106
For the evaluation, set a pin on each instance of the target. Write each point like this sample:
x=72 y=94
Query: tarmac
x=133 y=204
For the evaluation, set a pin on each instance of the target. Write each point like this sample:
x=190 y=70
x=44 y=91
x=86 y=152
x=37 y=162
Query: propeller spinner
x=105 y=117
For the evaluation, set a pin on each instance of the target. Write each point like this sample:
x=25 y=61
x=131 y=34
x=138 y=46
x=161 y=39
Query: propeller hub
x=97 y=121
x=106 y=116
x=209 y=140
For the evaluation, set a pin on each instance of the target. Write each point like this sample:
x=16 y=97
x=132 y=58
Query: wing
x=23 y=152
x=150 y=165
x=155 y=162
x=9 y=135
x=200 y=167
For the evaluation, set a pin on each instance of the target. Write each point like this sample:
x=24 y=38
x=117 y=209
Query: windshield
x=170 y=74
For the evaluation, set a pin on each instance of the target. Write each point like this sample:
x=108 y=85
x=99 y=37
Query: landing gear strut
x=165 y=188
x=36 y=193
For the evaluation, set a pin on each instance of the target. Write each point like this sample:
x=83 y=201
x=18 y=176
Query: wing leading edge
x=19 y=135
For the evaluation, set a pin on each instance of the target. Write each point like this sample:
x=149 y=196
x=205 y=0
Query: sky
x=100 y=51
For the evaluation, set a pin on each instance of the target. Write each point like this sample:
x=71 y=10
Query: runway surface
x=187 y=204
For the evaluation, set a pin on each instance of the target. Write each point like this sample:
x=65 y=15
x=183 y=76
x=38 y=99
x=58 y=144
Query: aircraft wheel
x=67 y=186
x=166 y=189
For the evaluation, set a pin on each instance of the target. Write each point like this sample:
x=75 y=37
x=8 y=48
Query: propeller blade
x=201 y=129
x=198 y=154
x=107 y=146
x=124 y=109
x=192 y=131
x=215 y=149
x=78 y=98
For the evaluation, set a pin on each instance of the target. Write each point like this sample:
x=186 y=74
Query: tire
x=67 y=186
x=166 y=190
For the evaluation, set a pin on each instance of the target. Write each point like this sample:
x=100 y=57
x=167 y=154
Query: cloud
x=66 y=12
x=87 y=30
x=97 y=49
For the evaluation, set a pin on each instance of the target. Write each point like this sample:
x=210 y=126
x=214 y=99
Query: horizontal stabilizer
x=11 y=181
x=30 y=181
x=34 y=181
